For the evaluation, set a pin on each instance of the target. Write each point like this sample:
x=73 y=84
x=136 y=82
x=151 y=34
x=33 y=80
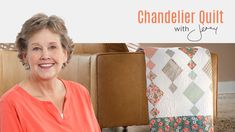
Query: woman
x=43 y=102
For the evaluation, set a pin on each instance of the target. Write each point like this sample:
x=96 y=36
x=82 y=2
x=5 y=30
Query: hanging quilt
x=179 y=89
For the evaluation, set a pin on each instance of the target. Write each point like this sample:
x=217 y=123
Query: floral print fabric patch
x=182 y=124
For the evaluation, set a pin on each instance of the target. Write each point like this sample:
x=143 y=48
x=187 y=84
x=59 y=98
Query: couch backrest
x=90 y=48
x=11 y=70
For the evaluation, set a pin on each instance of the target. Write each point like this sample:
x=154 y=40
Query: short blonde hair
x=40 y=21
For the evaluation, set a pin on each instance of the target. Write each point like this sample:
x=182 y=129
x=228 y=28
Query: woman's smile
x=46 y=65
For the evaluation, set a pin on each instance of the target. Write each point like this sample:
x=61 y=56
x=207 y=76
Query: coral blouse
x=20 y=112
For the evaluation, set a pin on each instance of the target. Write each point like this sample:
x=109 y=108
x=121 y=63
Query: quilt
x=179 y=89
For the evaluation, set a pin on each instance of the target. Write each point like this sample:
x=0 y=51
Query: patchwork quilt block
x=179 y=89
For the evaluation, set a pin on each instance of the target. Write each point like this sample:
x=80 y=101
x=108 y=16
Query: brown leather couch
x=114 y=77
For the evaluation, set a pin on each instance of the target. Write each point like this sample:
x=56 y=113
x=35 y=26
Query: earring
x=26 y=65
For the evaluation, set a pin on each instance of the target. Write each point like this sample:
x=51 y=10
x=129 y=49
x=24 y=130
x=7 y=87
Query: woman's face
x=45 y=55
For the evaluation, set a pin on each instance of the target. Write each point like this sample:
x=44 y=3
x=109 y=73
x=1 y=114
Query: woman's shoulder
x=11 y=96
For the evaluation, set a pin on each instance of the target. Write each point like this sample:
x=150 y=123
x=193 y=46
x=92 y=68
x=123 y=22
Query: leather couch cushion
x=121 y=89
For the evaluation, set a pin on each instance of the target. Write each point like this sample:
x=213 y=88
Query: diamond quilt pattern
x=179 y=83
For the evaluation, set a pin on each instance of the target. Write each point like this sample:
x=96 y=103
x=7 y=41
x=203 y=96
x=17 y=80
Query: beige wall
x=225 y=52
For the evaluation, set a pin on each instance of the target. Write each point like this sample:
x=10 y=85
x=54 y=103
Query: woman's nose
x=45 y=54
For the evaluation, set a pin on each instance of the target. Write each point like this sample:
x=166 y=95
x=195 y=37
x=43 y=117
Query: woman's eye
x=53 y=47
x=36 y=48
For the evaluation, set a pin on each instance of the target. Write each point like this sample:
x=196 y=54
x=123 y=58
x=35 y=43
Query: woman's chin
x=46 y=76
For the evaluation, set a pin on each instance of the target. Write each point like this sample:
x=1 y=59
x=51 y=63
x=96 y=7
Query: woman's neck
x=44 y=89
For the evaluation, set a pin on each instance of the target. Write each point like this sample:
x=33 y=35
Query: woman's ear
x=24 y=58
x=25 y=61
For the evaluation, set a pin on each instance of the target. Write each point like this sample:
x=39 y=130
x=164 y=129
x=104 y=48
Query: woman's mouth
x=46 y=65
